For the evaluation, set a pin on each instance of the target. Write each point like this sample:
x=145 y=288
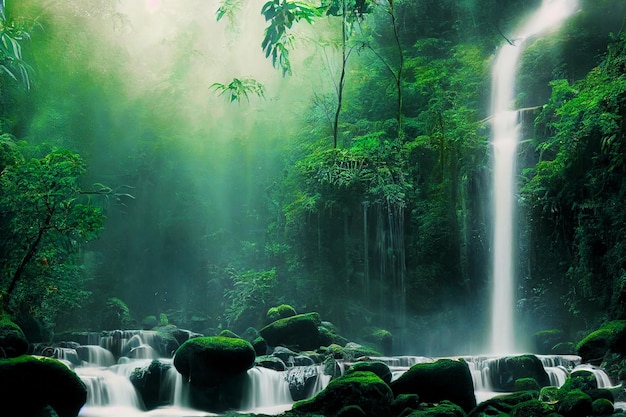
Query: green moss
x=445 y=379
x=379 y=368
x=13 y=342
x=526 y=384
x=532 y=408
x=41 y=382
x=204 y=360
x=610 y=337
x=574 y=403
x=299 y=332
x=602 y=407
x=579 y=380
x=229 y=333
x=280 y=312
x=363 y=389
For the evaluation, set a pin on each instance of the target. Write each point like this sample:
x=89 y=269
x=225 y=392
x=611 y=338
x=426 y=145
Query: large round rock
x=29 y=384
x=204 y=361
x=505 y=371
x=299 y=332
x=445 y=379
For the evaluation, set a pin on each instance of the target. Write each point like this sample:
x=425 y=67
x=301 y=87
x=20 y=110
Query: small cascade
x=602 y=378
x=267 y=391
x=105 y=388
x=95 y=355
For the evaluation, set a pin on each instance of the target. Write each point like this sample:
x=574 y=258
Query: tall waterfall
x=505 y=132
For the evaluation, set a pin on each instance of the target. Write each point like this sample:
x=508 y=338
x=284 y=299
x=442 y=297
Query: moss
x=526 y=384
x=502 y=404
x=116 y=315
x=204 y=360
x=229 y=333
x=41 y=382
x=379 y=368
x=443 y=409
x=610 y=337
x=574 y=403
x=545 y=340
x=363 y=389
x=532 y=408
x=299 y=332
x=506 y=370
x=280 y=312
x=445 y=379
x=602 y=407
x=13 y=342
x=582 y=380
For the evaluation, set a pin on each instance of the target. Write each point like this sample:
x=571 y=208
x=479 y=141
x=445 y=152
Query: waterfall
x=505 y=132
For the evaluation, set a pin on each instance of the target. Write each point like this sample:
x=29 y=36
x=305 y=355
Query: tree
x=46 y=217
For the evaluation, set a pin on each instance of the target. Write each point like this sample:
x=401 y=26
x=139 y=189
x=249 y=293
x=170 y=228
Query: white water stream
x=505 y=133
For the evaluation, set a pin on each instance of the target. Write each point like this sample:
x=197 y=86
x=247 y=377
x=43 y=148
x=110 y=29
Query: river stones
x=29 y=384
x=445 y=379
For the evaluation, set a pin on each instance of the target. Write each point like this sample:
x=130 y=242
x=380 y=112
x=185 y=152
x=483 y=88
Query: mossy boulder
x=363 y=389
x=574 y=403
x=532 y=408
x=505 y=371
x=611 y=337
x=404 y=402
x=602 y=407
x=580 y=379
x=280 y=312
x=380 y=338
x=300 y=332
x=445 y=379
x=443 y=409
x=149 y=322
x=379 y=368
x=13 y=342
x=526 y=384
x=36 y=383
x=204 y=361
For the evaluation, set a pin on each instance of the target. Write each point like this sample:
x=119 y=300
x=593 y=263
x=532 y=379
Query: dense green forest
x=209 y=160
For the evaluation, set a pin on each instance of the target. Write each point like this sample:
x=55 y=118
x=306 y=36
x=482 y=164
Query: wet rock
x=300 y=332
x=302 y=380
x=501 y=404
x=445 y=379
x=270 y=362
x=574 y=403
x=36 y=383
x=379 y=368
x=443 y=409
x=148 y=380
x=602 y=407
x=532 y=408
x=362 y=389
x=505 y=371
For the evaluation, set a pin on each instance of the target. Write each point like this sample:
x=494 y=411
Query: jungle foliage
x=365 y=198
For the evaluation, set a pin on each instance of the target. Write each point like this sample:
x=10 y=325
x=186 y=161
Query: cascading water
x=505 y=132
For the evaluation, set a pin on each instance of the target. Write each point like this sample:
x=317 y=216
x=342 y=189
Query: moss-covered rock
x=280 y=312
x=602 y=407
x=574 y=403
x=445 y=379
x=404 y=402
x=299 y=332
x=379 y=368
x=532 y=408
x=381 y=339
x=38 y=382
x=581 y=379
x=526 y=384
x=353 y=351
x=204 y=361
x=363 y=389
x=149 y=322
x=13 y=342
x=505 y=371
x=229 y=333
x=610 y=337
x=443 y=409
